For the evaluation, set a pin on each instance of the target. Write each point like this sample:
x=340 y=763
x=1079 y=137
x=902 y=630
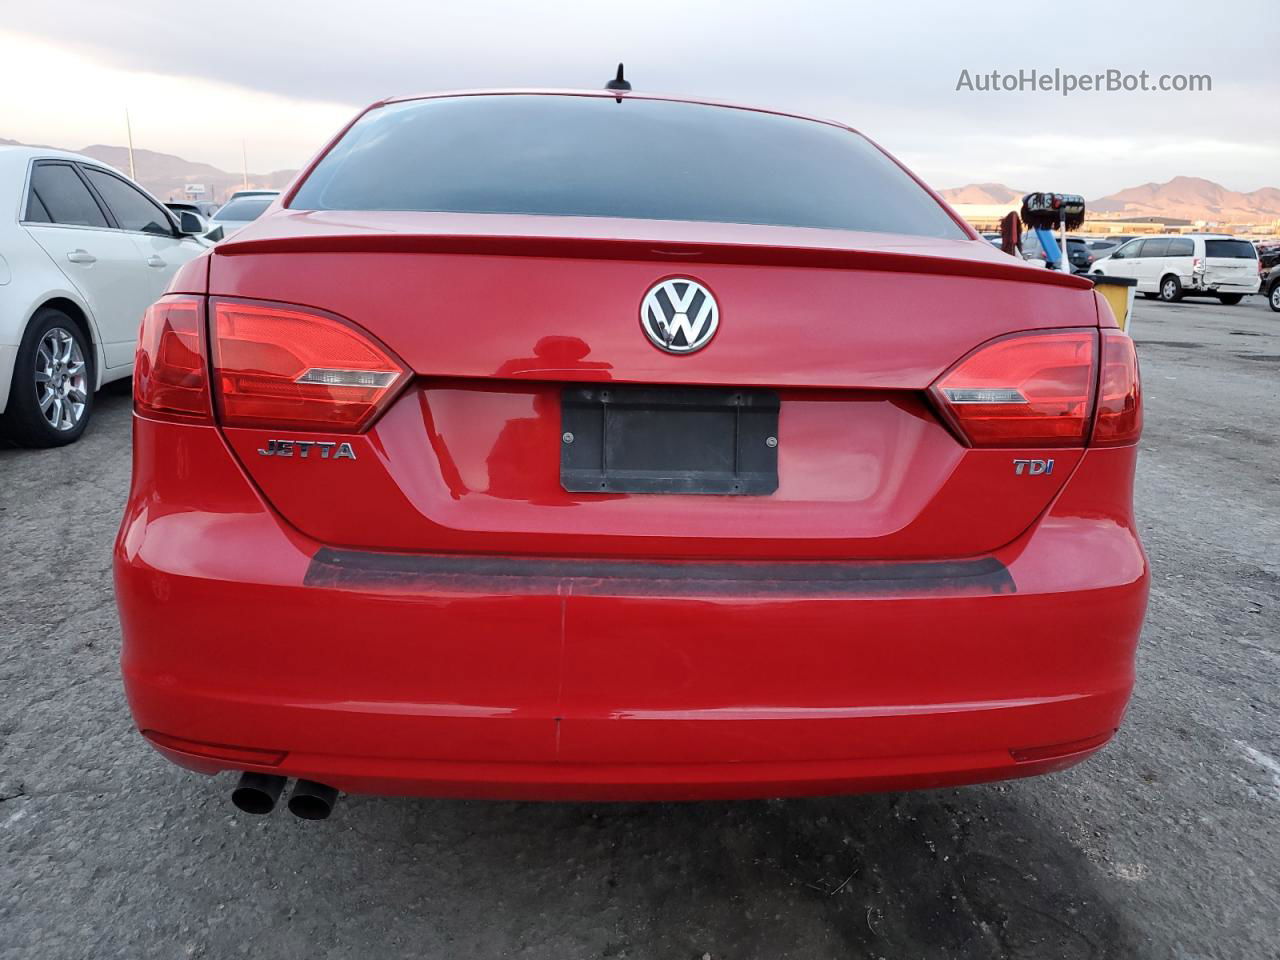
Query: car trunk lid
x=498 y=317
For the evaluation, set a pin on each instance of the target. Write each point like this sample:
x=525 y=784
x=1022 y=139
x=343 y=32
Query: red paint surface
x=495 y=693
x=579 y=686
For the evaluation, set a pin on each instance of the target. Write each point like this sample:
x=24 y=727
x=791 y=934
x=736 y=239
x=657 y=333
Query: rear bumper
x=629 y=782
x=542 y=679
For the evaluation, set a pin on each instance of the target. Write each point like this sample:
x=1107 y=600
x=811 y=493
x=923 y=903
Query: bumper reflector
x=216 y=751
x=1031 y=754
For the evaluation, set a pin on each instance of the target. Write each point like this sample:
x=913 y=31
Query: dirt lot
x=1166 y=845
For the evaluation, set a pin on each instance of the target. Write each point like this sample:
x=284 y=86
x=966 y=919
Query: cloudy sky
x=283 y=75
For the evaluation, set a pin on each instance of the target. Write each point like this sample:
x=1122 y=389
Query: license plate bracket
x=691 y=440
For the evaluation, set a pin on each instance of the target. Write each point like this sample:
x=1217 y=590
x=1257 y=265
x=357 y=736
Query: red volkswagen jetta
x=611 y=446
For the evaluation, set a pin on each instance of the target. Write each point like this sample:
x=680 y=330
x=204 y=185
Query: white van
x=1189 y=265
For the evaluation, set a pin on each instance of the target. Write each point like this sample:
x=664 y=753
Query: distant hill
x=986 y=193
x=165 y=175
x=1193 y=198
x=1182 y=198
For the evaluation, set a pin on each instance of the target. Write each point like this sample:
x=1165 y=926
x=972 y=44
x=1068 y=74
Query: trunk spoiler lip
x=767 y=246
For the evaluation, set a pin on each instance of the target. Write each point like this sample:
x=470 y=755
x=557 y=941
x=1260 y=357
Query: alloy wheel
x=62 y=384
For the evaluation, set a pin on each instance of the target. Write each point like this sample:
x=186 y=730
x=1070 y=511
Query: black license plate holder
x=691 y=440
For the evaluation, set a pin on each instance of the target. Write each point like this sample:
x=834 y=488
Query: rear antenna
x=618 y=83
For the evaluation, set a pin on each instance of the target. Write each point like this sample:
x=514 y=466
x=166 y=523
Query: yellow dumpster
x=1118 y=292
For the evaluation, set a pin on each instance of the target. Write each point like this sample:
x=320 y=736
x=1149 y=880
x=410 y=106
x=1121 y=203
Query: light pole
x=128 y=130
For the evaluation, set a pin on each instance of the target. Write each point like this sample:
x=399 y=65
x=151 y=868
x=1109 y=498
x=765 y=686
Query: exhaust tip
x=312 y=801
x=257 y=793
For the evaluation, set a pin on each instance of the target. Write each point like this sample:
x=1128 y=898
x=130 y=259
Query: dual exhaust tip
x=257 y=793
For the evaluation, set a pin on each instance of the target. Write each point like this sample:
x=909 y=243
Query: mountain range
x=165 y=175
x=1184 y=198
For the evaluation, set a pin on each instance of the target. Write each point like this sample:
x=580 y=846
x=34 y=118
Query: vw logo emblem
x=679 y=315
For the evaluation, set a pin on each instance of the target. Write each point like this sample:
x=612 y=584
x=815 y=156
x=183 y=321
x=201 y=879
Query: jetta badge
x=325 y=449
x=679 y=315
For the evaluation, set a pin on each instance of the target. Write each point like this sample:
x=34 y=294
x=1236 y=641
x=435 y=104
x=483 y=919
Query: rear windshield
x=1235 y=249
x=596 y=157
x=245 y=208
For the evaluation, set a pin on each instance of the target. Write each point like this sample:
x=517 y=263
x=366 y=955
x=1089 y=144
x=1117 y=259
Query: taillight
x=284 y=366
x=1119 y=418
x=170 y=376
x=1023 y=390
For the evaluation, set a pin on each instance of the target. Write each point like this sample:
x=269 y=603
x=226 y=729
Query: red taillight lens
x=1119 y=417
x=280 y=366
x=170 y=376
x=1024 y=390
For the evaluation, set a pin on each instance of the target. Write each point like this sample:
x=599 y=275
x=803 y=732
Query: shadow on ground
x=943 y=874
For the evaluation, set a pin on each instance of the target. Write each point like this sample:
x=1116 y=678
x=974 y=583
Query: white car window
x=131 y=208
x=36 y=213
x=64 y=196
x=1230 y=249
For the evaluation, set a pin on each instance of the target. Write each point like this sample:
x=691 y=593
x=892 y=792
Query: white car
x=1173 y=266
x=238 y=212
x=83 y=252
x=253 y=193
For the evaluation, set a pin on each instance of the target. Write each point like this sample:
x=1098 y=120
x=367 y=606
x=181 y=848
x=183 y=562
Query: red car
x=596 y=445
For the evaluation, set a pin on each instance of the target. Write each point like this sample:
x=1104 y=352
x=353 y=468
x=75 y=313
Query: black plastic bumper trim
x=361 y=569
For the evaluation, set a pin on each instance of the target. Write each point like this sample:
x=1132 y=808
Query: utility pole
x=1062 y=239
x=128 y=128
x=244 y=164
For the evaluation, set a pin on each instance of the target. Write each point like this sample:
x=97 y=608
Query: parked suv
x=1194 y=265
x=83 y=253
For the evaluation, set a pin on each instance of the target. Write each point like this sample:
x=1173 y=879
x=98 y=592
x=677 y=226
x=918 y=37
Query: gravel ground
x=1166 y=845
